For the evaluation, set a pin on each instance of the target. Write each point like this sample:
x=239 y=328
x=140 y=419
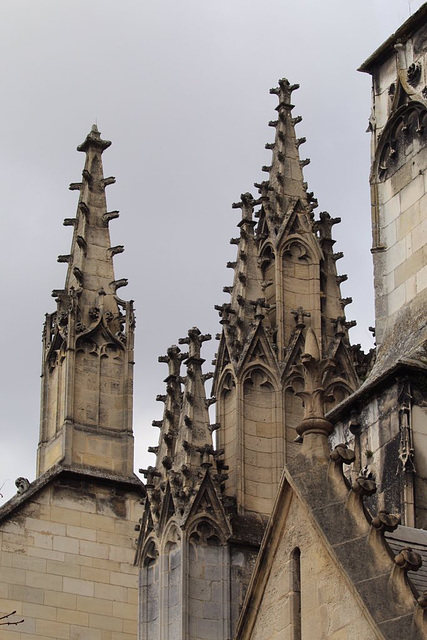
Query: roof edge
x=17 y=501
x=408 y=27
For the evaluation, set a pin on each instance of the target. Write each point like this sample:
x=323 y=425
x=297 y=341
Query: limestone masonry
x=301 y=513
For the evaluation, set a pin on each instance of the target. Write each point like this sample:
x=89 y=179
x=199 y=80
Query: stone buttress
x=87 y=370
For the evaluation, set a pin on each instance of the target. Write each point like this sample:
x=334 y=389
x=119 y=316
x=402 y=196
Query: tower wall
x=398 y=177
x=66 y=560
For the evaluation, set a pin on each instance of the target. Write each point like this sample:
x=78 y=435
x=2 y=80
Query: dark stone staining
x=390 y=483
x=420 y=41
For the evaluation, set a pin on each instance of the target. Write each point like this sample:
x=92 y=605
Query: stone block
x=82 y=533
x=110 y=592
x=60 y=600
x=84 y=633
x=66 y=516
x=208 y=629
x=394 y=256
x=130 y=626
x=419 y=235
x=13 y=576
x=124 y=610
x=421 y=279
x=412 y=192
x=74 y=558
x=396 y=299
x=45 y=527
x=68 y=569
x=112 y=565
x=26 y=594
x=71 y=616
x=121 y=555
x=97 y=522
x=95 y=574
x=67 y=545
x=43 y=540
x=79 y=587
x=43 y=580
x=124 y=580
x=409 y=267
x=30 y=610
x=132 y=596
x=105 y=622
x=51 y=629
x=94 y=549
x=94 y=605
x=213 y=611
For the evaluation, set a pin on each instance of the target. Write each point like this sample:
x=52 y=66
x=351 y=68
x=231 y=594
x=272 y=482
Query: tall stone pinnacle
x=86 y=413
x=90 y=269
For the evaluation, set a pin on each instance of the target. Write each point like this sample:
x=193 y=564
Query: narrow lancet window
x=295 y=594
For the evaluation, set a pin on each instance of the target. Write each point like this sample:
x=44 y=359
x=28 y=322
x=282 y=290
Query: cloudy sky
x=181 y=88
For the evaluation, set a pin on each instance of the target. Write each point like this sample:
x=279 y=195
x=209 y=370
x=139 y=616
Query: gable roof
x=358 y=550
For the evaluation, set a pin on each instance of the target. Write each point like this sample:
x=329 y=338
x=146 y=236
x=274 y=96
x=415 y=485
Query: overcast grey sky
x=181 y=88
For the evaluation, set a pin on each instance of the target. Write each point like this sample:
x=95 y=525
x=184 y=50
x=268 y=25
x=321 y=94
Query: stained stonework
x=66 y=559
x=398 y=176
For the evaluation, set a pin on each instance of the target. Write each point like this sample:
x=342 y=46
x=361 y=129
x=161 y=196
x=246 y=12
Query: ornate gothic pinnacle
x=313 y=372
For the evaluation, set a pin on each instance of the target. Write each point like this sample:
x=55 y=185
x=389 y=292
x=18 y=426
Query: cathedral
x=300 y=512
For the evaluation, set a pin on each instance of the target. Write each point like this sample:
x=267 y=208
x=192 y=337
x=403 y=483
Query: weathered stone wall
x=389 y=436
x=328 y=606
x=67 y=563
x=399 y=180
x=185 y=588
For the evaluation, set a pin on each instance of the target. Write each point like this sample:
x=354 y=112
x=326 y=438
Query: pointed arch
x=208 y=578
x=267 y=262
x=227 y=416
x=295 y=562
x=407 y=123
x=262 y=438
x=149 y=591
x=300 y=273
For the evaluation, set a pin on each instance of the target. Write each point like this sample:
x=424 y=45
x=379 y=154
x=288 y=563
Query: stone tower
x=208 y=499
x=67 y=539
x=87 y=371
x=386 y=417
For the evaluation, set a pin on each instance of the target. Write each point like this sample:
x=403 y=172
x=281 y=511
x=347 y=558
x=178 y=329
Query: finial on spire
x=93 y=139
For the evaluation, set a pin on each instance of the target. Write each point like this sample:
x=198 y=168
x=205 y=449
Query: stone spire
x=286 y=182
x=185 y=453
x=285 y=284
x=87 y=379
x=185 y=529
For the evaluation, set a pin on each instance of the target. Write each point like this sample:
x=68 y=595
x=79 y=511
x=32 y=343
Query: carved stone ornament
x=94 y=313
x=413 y=74
x=22 y=485
x=386 y=521
x=342 y=454
x=408 y=124
x=408 y=560
x=422 y=600
x=313 y=370
x=364 y=486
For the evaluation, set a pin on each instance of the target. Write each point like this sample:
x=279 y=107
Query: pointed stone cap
x=93 y=139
